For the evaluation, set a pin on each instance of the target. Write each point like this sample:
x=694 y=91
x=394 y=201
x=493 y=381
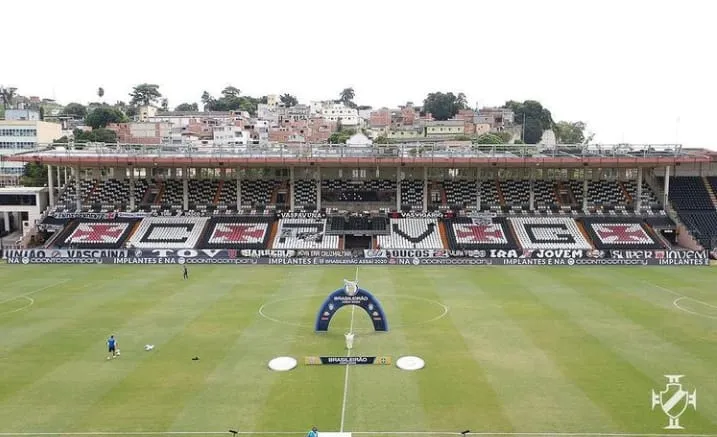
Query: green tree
x=104 y=115
x=532 y=131
x=568 y=132
x=145 y=94
x=534 y=118
x=206 y=99
x=231 y=91
x=7 y=94
x=490 y=139
x=187 y=107
x=288 y=100
x=75 y=110
x=347 y=96
x=342 y=136
x=165 y=104
x=34 y=175
x=443 y=105
x=100 y=135
x=100 y=92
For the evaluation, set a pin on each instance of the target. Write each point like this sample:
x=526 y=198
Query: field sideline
x=508 y=350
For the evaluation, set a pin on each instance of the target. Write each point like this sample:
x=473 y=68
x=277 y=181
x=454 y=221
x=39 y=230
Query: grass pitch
x=550 y=350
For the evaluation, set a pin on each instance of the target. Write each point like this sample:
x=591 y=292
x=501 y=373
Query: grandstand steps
x=342 y=242
x=581 y=227
x=557 y=191
x=160 y=193
x=513 y=234
x=134 y=229
x=439 y=187
x=147 y=197
x=218 y=194
x=89 y=193
x=657 y=236
x=272 y=234
x=444 y=235
x=66 y=232
x=710 y=191
x=625 y=193
x=565 y=194
x=498 y=188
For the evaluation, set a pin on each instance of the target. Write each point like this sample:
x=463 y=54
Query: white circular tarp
x=410 y=363
x=282 y=364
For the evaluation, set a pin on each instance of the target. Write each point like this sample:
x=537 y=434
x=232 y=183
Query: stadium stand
x=412 y=194
x=85 y=234
x=690 y=197
x=410 y=233
x=237 y=233
x=305 y=193
x=304 y=234
x=620 y=233
x=358 y=224
x=337 y=190
x=689 y=194
x=465 y=233
x=168 y=232
x=549 y=233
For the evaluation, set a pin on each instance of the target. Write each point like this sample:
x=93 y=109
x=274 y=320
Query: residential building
x=380 y=118
x=231 y=136
x=445 y=128
x=405 y=134
x=338 y=112
x=143 y=132
x=497 y=118
x=20 y=131
x=268 y=113
x=294 y=113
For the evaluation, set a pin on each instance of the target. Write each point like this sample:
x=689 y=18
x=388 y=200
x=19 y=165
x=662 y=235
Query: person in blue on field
x=313 y=433
x=112 y=346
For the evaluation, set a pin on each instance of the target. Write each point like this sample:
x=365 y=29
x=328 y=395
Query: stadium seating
x=548 y=233
x=649 y=198
x=237 y=233
x=114 y=194
x=168 y=232
x=305 y=192
x=357 y=224
x=412 y=193
x=620 y=233
x=702 y=226
x=517 y=192
x=465 y=233
x=85 y=234
x=304 y=234
x=689 y=194
x=460 y=193
x=200 y=192
x=339 y=190
x=409 y=233
x=600 y=192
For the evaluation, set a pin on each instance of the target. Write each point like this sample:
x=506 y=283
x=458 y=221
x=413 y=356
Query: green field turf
x=520 y=350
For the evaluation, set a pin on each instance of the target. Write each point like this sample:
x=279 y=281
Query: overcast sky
x=636 y=71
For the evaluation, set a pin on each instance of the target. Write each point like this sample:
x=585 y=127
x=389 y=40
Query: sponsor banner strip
x=365 y=261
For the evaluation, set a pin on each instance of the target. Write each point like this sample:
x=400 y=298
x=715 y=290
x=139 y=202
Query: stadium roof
x=424 y=154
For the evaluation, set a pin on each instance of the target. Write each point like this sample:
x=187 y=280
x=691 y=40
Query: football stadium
x=387 y=290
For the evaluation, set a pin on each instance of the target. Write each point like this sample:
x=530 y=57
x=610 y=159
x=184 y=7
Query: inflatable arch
x=351 y=294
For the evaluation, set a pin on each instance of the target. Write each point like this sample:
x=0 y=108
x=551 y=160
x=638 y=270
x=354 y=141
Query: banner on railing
x=12 y=257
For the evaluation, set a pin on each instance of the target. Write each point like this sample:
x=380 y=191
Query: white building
x=231 y=136
x=338 y=112
x=22 y=130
